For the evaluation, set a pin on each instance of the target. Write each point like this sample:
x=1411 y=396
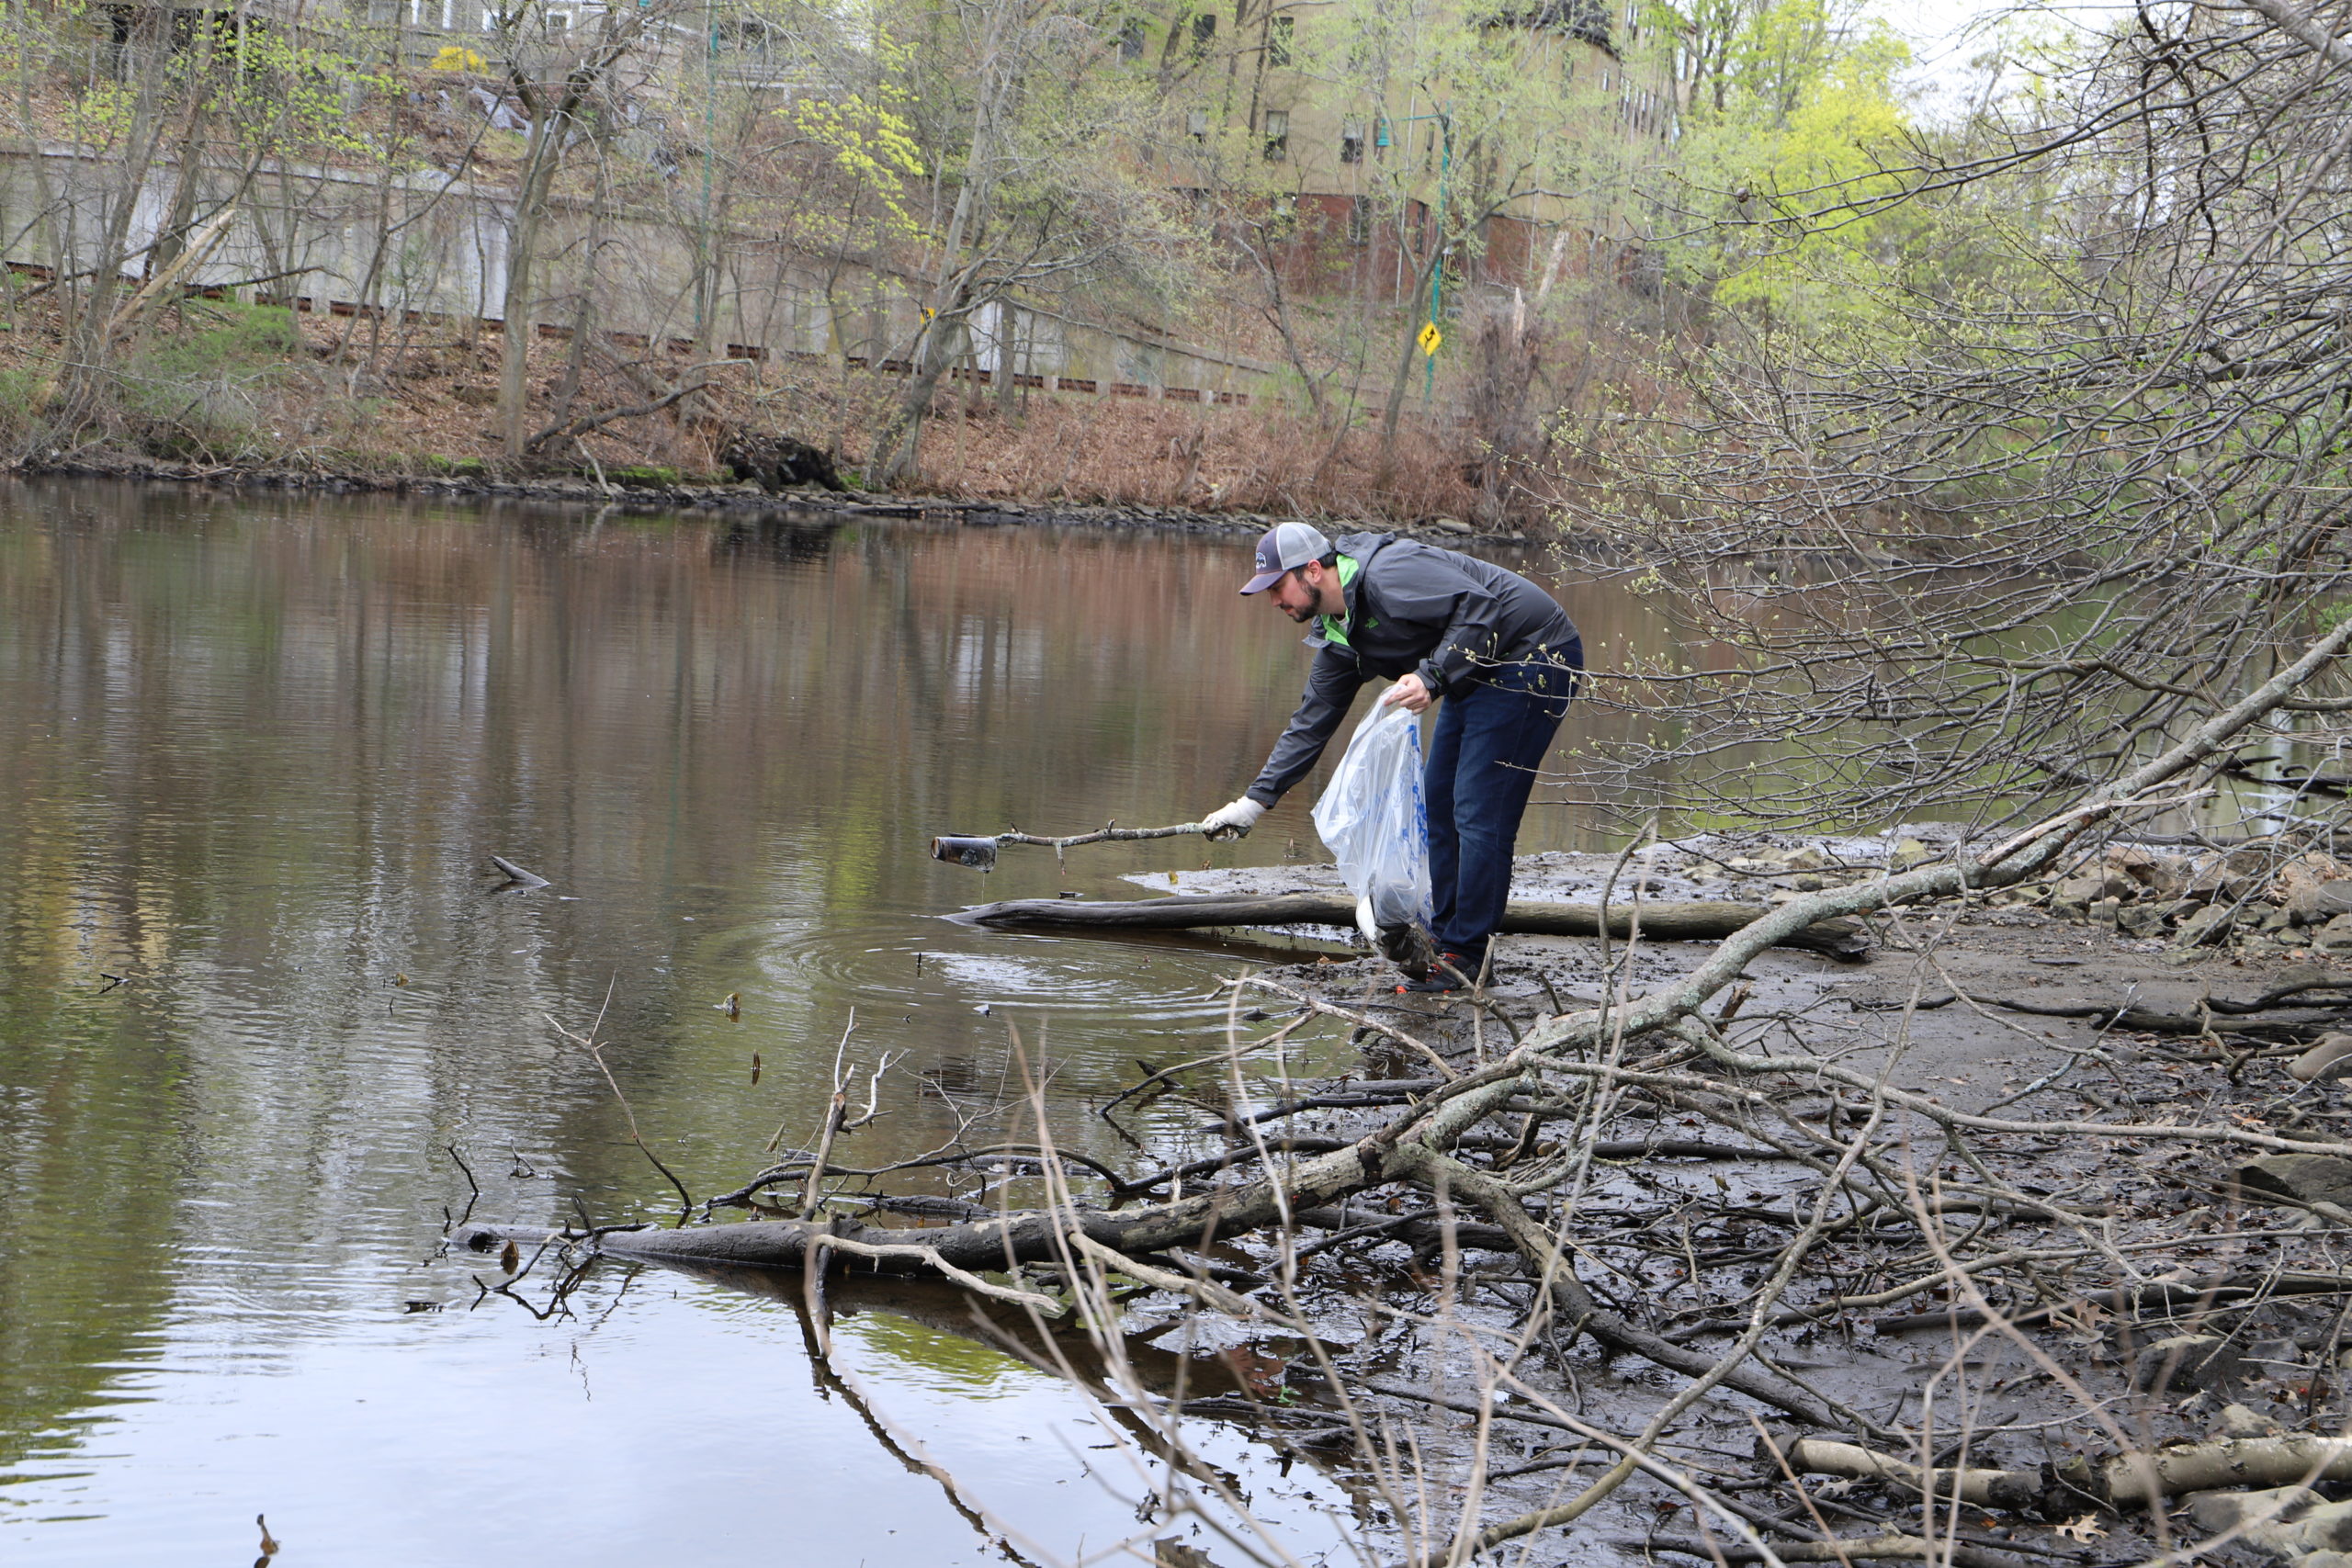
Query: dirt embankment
x=224 y=393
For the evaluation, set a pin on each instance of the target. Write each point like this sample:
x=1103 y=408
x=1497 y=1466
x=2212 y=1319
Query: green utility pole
x=1431 y=337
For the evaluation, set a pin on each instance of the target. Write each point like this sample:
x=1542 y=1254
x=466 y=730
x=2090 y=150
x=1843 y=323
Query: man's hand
x=1234 y=821
x=1411 y=693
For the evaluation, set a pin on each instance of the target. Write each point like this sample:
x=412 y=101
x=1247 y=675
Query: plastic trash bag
x=1375 y=821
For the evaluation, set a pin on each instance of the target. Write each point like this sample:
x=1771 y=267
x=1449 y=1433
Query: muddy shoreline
x=1899 y=1009
x=1967 y=1003
x=745 y=497
x=2006 y=1196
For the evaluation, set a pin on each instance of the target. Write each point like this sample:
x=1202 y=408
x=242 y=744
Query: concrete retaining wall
x=427 y=243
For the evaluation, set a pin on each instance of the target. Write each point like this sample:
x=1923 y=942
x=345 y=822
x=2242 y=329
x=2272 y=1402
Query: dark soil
x=1680 y=1244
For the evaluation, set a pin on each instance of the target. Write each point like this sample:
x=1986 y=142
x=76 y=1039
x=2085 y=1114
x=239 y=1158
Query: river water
x=260 y=996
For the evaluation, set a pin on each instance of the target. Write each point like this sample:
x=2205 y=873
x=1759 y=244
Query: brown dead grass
x=1117 y=451
x=383 y=397
x=1110 y=450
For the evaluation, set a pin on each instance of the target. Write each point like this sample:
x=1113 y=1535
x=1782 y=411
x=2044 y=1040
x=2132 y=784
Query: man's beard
x=1301 y=617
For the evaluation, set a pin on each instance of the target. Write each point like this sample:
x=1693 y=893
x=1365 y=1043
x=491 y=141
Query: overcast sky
x=1945 y=35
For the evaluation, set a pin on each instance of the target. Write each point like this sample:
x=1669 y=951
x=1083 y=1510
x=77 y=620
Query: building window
x=1203 y=34
x=1277 y=127
x=1280 y=34
x=1352 y=143
x=1196 y=125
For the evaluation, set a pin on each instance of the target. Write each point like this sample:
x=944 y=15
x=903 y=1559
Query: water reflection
x=253 y=758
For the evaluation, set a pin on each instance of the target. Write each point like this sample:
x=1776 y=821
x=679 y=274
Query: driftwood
x=2016 y=1491
x=963 y=1251
x=2120 y=1480
x=1698 y=921
x=1888 y=1544
x=979 y=853
x=2188 y=1295
x=515 y=875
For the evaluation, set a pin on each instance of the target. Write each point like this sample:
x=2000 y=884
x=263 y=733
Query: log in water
x=1692 y=922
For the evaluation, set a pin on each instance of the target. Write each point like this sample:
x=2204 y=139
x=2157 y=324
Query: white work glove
x=1233 y=821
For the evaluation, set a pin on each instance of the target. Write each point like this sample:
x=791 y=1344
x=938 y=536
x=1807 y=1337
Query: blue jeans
x=1490 y=740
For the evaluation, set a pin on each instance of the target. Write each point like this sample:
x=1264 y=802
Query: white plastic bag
x=1375 y=821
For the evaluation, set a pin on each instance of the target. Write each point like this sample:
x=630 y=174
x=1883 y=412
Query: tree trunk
x=894 y=449
x=530 y=212
x=1395 y=409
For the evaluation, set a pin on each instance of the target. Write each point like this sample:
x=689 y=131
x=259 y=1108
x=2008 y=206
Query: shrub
x=24 y=398
x=215 y=390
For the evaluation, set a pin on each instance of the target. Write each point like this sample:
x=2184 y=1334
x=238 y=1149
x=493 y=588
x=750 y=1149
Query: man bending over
x=1495 y=651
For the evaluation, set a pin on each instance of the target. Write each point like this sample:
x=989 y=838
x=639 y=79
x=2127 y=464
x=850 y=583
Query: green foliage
x=206 y=390
x=1785 y=147
x=277 y=93
x=871 y=138
x=24 y=398
x=240 y=341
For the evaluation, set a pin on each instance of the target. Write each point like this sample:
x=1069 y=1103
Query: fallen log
x=2013 y=1491
x=1888 y=1544
x=516 y=876
x=1694 y=922
x=2118 y=1481
x=2196 y=1294
x=974 y=1247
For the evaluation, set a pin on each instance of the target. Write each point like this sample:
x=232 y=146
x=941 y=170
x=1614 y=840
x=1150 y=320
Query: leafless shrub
x=2066 y=476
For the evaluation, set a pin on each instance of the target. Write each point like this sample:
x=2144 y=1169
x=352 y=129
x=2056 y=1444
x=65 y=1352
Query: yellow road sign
x=1430 y=339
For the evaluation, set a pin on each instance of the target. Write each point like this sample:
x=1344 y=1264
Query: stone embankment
x=2255 y=897
x=2267 y=898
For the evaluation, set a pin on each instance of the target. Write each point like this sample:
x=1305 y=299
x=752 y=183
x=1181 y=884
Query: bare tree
x=2063 y=473
x=558 y=79
x=1035 y=190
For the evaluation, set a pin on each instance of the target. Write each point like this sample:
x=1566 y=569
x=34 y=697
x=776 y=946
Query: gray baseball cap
x=1286 y=548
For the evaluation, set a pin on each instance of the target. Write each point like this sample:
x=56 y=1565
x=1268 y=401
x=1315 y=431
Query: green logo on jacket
x=1333 y=628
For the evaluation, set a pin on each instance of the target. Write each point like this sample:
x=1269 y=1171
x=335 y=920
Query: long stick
x=980 y=852
x=1111 y=831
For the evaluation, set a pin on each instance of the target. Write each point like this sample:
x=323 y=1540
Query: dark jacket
x=1414 y=609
